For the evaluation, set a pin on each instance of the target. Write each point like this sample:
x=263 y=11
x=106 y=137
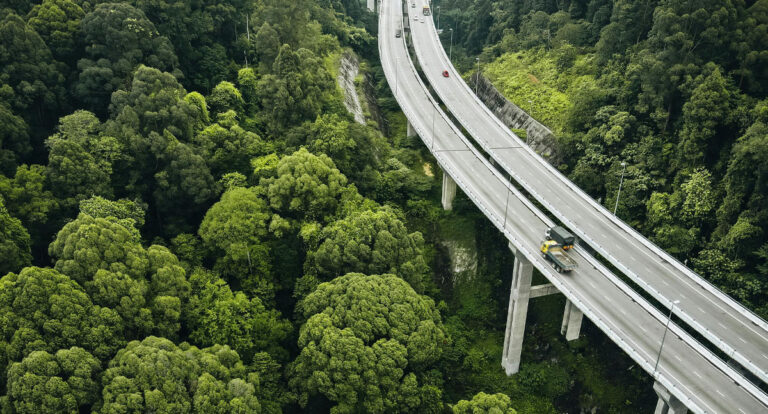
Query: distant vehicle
x=561 y=236
x=413 y=4
x=554 y=252
x=426 y=11
x=422 y=19
x=398 y=33
x=445 y=73
x=415 y=17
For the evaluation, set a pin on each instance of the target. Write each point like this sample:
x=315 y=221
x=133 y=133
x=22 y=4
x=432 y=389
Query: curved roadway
x=726 y=323
x=689 y=371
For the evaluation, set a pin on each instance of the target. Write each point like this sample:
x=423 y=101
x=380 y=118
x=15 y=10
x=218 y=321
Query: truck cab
x=561 y=235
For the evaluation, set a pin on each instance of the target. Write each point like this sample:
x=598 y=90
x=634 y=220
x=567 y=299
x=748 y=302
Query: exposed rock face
x=349 y=67
x=540 y=138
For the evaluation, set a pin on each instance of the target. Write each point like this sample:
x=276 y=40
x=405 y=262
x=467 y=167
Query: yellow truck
x=554 y=252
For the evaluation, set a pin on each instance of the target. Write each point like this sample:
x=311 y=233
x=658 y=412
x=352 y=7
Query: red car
x=445 y=73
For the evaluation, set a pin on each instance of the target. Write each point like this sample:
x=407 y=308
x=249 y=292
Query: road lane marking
x=678 y=358
x=697 y=374
x=722 y=325
x=701 y=310
x=741 y=339
x=718 y=391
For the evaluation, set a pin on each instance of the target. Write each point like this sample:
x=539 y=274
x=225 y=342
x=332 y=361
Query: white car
x=423 y=19
x=415 y=17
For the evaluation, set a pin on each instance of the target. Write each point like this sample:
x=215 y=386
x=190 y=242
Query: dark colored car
x=445 y=73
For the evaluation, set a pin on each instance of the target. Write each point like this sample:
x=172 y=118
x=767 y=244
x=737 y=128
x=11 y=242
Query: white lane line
x=719 y=323
x=664 y=282
x=742 y=411
x=642 y=329
x=622 y=311
x=765 y=356
x=741 y=339
x=718 y=391
x=701 y=310
x=678 y=358
x=697 y=374
x=683 y=296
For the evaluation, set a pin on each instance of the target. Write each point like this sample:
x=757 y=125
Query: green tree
x=364 y=338
x=706 y=116
x=146 y=287
x=153 y=102
x=217 y=315
x=306 y=187
x=27 y=66
x=745 y=179
x=44 y=310
x=58 y=23
x=266 y=46
x=225 y=97
x=118 y=38
x=370 y=242
x=64 y=382
x=27 y=198
x=14 y=242
x=80 y=161
x=14 y=138
x=235 y=230
x=227 y=147
x=485 y=403
x=99 y=207
x=156 y=375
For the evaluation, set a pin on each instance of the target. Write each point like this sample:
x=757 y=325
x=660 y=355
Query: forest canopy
x=215 y=206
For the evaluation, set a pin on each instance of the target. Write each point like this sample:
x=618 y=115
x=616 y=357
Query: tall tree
x=64 y=382
x=44 y=310
x=217 y=315
x=27 y=66
x=118 y=38
x=174 y=378
x=14 y=242
x=58 y=23
x=364 y=338
x=306 y=187
x=371 y=242
x=235 y=229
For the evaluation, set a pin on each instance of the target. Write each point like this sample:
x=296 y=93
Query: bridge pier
x=668 y=403
x=518 y=310
x=571 y=325
x=409 y=132
x=449 y=191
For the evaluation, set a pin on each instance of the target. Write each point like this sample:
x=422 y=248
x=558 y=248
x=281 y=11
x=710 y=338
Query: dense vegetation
x=192 y=221
x=674 y=88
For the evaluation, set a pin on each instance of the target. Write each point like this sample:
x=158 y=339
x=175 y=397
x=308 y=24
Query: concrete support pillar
x=518 y=309
x=409 y=132
x=668 y=403
x=571 y=321
x=449 y=191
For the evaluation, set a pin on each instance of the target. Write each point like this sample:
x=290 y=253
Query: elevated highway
x=727 y=324
x=686 y=370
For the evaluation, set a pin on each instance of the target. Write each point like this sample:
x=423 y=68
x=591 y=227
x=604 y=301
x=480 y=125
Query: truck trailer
x=555 y=253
